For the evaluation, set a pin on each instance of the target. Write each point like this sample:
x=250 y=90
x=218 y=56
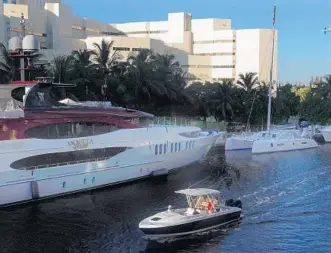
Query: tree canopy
x=156 y=83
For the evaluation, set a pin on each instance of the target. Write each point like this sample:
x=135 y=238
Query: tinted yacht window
x=70 y=130
x=65 y=158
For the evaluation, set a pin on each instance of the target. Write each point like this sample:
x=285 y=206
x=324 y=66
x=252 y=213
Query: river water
x=286 y=201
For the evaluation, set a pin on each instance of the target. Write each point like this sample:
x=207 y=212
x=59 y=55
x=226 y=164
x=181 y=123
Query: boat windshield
x=202 y=202
x=45 y=96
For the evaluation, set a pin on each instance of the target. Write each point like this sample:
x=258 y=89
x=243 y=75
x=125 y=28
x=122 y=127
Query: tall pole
x=271 y=70
x=22 y=22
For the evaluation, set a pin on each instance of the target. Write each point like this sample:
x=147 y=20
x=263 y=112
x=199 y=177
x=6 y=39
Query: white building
x=207 y=48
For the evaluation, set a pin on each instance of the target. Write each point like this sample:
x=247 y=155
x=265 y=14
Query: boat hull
x=137 y=162
x=238 y=144
x=327 y=135
x=281 y=145
x=192 y=227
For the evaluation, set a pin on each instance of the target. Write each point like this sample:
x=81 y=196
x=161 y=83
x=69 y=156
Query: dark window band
x=70 y=130
x=64 y=158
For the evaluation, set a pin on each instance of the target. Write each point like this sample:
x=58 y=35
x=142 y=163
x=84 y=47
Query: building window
x=215 y=54
x=176 y=147
x=186 y=145
x=138 y=49
x=214 y=41
x=165 y=148
x=156 y=149
x=121 y=48
x=172 y=147
x=210 y=66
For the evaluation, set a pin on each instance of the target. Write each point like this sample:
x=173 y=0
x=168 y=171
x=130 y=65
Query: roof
x=198 y=191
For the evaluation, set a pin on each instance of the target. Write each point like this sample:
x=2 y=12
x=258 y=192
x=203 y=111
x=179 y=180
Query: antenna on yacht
x=271 y=70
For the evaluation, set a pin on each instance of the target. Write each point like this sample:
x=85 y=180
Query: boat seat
x=191 y=211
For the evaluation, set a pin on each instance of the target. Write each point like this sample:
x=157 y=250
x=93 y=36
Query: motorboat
x=204 y=213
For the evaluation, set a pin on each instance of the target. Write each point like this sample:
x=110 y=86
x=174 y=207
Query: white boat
x=283 y=142
x=243 y=141
x=51 y=149
x=204 y=213
x=326 y=132
x=246 y=140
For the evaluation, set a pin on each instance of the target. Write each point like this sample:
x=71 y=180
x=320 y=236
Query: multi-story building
x=208 y=49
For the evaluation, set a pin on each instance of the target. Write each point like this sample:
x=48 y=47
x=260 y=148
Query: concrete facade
x=208 y=49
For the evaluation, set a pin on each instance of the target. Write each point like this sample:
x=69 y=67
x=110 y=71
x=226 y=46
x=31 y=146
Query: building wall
x=59 y=27
x=3 y=35
x=207 y=48
x=126 y=46
x=1 y=7
x=247 y=51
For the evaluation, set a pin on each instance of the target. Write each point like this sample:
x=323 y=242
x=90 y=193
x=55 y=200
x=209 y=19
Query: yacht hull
x=138 y=161
x=280 y=145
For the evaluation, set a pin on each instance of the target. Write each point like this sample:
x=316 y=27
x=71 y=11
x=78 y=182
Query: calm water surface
x=286 y=201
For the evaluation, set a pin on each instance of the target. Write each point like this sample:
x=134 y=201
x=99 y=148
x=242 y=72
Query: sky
x=303 y=49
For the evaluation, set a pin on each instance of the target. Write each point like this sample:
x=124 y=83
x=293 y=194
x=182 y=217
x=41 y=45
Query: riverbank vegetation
x=157 y=84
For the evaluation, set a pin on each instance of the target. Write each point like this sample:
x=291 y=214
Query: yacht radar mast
x=23 y=47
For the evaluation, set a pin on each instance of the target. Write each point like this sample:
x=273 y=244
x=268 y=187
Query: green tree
x=6 y=65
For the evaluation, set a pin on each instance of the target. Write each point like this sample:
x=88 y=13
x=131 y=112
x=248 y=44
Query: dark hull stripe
x=196 y=225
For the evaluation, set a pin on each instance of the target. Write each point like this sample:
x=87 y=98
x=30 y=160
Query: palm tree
x=62 y=68
x=6 y=65
x=247 y=81
x=82 y=70
x=169 y=74
x=220 y=99
x=104 y=59
x=197 y=92
x=141 y=76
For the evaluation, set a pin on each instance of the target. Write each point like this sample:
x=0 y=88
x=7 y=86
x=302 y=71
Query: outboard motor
x=234 y=203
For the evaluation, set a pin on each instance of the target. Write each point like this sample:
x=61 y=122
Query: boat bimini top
x=201 y=199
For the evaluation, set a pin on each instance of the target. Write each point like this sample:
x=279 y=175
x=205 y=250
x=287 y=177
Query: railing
x=190 y=121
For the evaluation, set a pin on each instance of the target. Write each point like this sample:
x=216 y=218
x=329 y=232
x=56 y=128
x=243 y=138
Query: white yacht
x=48 y=148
